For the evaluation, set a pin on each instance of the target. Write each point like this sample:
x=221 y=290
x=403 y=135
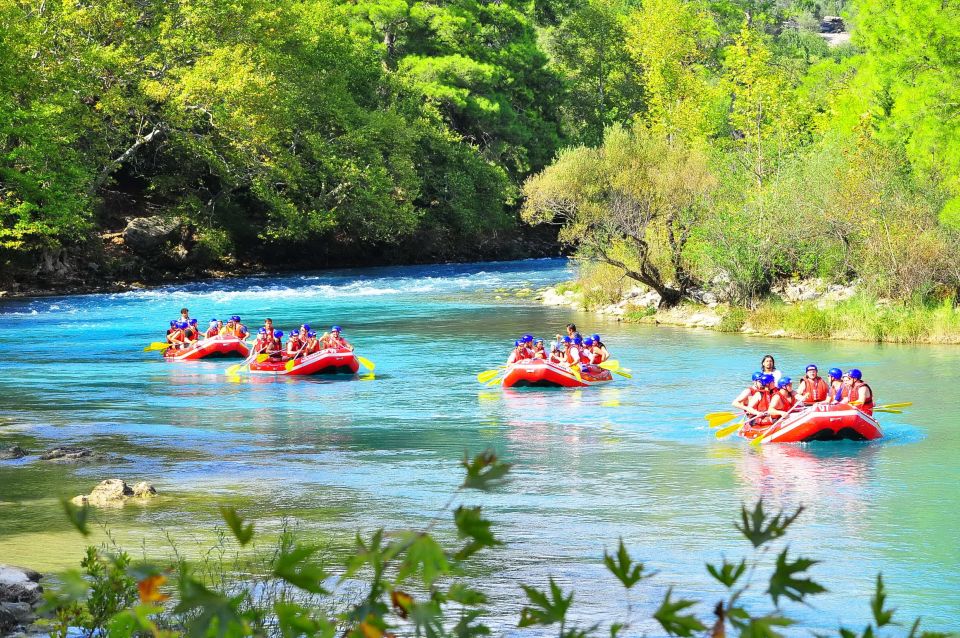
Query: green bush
x=414 y=584
x=732 y=319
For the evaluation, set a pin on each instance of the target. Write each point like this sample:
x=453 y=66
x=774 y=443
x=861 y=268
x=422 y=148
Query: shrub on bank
x=411 y=583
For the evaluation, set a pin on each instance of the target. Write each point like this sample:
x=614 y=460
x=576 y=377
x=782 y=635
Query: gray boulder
x=148 y=234
x=11 y=453
x=20 y=593
x=66 y=453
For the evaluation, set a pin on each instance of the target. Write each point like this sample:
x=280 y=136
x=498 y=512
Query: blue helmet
x=235 y=318
x=335 y=329
x=596 y=338
x=784 y=382
x=766 y=379
x=192 y=322
x=528 y=338
x=182 y=325
x=588 y=341
x=278 y=333
x=262 y=331
x=578 y=340
x=810 y=366
x=311 y=334
x=756 y=376
x=854 y=373
x=516 y=343
x=306 y=327
x=835 y=373
x=539 y=341
x=173 y=323
x=567 y=339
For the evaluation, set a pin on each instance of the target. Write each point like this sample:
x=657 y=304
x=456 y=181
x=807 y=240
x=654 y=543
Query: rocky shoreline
x=20 y=595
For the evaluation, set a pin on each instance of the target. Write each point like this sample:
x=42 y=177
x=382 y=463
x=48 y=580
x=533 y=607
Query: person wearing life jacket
x=192 y=332
x=741 y=401
x=860 y=393
x=586 y=352
x=294 y=345
x=758 y=402
x=555 y=355
x=843 y=393
x=311 y=344
x=834 y=384
x=175 y=334
x=600 y=348
x=185 y=315
x=239 y=330
x=539 y=351
x=263 y=342
x=334 y=341
x=812 y=388
x=517 y=354
x=769 y=366
x=783 y=400
x=212 y=329
x=573 y=356
x=275 y=345
x=229 y=330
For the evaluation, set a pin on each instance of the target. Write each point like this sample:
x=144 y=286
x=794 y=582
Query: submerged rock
x=11 y=453
x=20 y=593
x=66 y=453
x=115 y=492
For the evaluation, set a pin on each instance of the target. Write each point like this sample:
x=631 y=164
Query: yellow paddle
x=486 y=375
x=888 y=410
x=366 y=363
x=234 y=369
x=717 y=419
x=575 y=369
x=730 y=429
x=614 y=367
x=905 y=404
x=496 y=381
x=157 y=345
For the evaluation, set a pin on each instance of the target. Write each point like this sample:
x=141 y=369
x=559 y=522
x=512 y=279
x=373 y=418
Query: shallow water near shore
x=632 y=459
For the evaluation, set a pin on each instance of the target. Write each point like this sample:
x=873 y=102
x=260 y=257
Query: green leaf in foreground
x=763 y=627
x=471 y=524
x=545 y=609
x=783 y=581
x=882 y=616
x=729 y=573
x=295 y=565
x=675 y=624
x=77 y=516
x=425 y=556
x=243 y=533
x=760 y=529
x=484 y=471
x=623 y=567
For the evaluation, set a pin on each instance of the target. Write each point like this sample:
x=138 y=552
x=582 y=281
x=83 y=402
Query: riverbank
x=159 y=250
x=803 y=311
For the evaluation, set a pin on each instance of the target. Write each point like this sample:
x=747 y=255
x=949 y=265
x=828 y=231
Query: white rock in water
x=115 y=492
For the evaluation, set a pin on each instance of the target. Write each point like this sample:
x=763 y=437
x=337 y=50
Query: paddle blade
x=486 y=375
x=622 y=373
x=290 y=364
x=714 y=415
x=720 y=418
x=905 y=404
x=575 y=369
x=610 y=365
x=157 y=345
x=888 y=410
x=233 y=370
x=727 y=431
x=262 y=357
x=366 y=363
x=758 y=440
x=496 y=381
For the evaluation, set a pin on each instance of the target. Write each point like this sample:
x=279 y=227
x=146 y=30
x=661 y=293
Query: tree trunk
x=126 y=155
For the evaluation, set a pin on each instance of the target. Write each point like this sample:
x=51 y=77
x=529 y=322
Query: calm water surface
x=632 y=459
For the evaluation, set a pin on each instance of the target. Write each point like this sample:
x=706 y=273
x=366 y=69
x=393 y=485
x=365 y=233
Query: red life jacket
x=786 y=401
x=295 y=343
x=762 y=405
x=866 y=406
x=815 y=394
x=569 y=354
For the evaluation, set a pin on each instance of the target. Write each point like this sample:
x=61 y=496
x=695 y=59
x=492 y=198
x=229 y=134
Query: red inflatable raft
x=214 y=347
x=538 y=373
x=820 y=422
x=323 y=362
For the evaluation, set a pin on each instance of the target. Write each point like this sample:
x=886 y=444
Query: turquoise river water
x=633 y=459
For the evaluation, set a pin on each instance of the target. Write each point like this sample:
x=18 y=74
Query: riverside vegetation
x=420 y=582
x=688 y=143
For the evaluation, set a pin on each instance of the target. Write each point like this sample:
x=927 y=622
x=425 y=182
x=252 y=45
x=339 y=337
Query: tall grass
x=861 y=318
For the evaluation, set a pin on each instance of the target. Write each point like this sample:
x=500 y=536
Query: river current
x=633 y=459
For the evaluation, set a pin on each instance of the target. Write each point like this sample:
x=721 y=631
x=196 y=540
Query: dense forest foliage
x=682 y=141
